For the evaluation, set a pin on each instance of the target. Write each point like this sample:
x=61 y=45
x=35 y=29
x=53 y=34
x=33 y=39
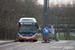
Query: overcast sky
x=57 y=1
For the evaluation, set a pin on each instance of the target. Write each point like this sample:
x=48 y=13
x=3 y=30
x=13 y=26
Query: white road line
x=55 y=43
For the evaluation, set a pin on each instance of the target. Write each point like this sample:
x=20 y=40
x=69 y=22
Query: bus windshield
x=28 y=28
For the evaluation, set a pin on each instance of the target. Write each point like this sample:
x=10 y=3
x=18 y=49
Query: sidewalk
x=6 y=41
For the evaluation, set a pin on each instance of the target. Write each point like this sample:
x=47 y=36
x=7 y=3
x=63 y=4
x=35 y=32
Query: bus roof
x=33 y=20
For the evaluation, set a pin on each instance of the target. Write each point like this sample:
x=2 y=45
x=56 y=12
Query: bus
x=27 y=29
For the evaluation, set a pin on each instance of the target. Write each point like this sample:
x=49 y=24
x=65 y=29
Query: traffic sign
x=46 y=30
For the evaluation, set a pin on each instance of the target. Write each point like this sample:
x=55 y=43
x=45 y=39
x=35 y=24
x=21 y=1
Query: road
x=53 y=45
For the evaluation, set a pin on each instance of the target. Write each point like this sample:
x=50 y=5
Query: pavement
x=53 y=45
x=6 y=41
x=10 y=41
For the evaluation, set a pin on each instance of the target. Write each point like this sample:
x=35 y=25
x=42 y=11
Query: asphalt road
x=53 y=45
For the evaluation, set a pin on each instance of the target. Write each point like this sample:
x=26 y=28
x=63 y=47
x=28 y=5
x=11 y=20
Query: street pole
x=52 y=21
x=52 y=15
x=66 y=31
x=16 y=29
x=5 y=24
x=58 y=25
x=55 y=25
x=45 y=19
x=58 y=28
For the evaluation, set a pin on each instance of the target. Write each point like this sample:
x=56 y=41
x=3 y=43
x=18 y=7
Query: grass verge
x=61 y=37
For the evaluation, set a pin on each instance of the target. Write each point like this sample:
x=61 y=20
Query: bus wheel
x=34 y=40
x=21 y=40
x=26 y=40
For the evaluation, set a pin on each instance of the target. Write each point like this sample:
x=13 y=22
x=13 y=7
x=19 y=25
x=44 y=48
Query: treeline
x=10 y=13
x=64 y=17
x=12 y=10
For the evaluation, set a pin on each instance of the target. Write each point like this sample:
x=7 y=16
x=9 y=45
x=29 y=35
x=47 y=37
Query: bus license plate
x=27 y=38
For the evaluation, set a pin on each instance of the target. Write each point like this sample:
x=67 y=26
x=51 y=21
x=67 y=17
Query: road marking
x=55 y=43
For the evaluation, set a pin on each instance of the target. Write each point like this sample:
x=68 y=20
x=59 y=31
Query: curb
x=7 y=42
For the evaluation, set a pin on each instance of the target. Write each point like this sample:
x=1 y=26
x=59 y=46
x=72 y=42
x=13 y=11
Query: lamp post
x=66 y=30
x=55 y=24
x=66 y=27
x=5 y=23
x=45 y=19
x=58 y=28
x=52 y=21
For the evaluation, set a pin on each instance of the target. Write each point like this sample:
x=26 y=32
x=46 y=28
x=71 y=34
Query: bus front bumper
x=27 y=38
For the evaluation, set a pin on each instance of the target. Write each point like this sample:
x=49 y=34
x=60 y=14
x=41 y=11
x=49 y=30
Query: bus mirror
x=17 y=24
x=37 y=27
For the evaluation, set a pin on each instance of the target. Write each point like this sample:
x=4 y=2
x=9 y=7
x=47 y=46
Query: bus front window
x=28 y=28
